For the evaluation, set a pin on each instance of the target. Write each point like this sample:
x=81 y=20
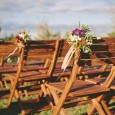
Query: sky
x=60 y=15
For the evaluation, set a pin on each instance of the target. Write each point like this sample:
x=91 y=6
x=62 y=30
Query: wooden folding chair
x=29 y=80
x=71 y=90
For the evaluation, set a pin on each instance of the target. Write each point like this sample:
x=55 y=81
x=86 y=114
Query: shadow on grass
x=112 y=107
x=15 y=110
x=12 y=110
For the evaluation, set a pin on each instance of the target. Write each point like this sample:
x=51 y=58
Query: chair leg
x=106 y=107
x=19 y=102
x=92 y=108
x=56 y=99
x=21 y=107
x=47 y=94
x=1 y=84
x=98 y=107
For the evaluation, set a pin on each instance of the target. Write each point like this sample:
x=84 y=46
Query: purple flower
x=19 y=39
x=75 y=32
x=81 y=33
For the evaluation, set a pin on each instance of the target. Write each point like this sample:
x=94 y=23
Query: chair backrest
x=105 y=45
x=102 y=55
x=64 y=47
x=43 y=50
x=6 y=48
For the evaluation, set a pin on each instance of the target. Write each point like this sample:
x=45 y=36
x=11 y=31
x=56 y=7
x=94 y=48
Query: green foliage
x=112 y=34
x=79 y=110
x=49 y=112
x=9 y=38
x=80 y=38
x=44 y=33
x=0 y=29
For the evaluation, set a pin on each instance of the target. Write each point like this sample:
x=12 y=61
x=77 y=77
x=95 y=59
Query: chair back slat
x=40 y=49
x=7 y=48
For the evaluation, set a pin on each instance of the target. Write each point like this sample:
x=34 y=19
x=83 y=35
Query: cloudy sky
x=61 y=15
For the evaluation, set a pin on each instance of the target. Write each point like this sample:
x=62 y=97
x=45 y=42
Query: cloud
x=13 y=7
x=15 y=15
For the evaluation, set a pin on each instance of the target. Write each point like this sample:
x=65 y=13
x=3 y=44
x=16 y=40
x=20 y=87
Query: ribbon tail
x=68 y=57
x=8 y=57
x=12 y=52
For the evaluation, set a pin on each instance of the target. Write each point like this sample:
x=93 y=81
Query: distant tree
x=10 y=38
x=112 y=34
x=0 y=29
x=112 y=9
x=44 y=33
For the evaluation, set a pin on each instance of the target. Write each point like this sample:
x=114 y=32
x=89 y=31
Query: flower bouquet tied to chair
x=21 y=40
x=80 y=39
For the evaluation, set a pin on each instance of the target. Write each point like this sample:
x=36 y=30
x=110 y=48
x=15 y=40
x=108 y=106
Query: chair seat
x=61 y=72
x=10 y=64
x=97 y=80
x=29 y=75
x=8 y=69
x=33 y=67
x=34 y=62
x=79 y=88
x=4 y=93
x=91 y=71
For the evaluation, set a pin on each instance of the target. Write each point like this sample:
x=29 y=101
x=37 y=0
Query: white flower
x=78 y=38
x=89 y=34
x=22 y=35
x=98 y=38
x=86 y=51
x=89 y=43
x=72 y=37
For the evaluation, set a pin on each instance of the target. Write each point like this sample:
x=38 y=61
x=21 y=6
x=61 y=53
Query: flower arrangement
x=81 y=38
x=22 y=39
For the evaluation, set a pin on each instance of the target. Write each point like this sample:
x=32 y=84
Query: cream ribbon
x=8 y=58
x=68 y=57
x=13 y=52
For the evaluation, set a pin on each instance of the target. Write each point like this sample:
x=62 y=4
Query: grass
x=15 y=110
